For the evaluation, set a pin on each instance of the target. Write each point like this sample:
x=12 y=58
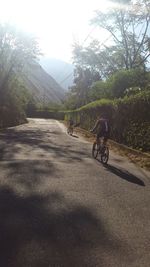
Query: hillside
x=59 y=70
x=42 y=86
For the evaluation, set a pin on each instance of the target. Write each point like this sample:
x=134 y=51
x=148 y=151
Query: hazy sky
x=57 y=23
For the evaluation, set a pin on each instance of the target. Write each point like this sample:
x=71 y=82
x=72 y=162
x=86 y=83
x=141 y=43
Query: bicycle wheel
x=70 y=130
x=105 y=155
x=95 y=150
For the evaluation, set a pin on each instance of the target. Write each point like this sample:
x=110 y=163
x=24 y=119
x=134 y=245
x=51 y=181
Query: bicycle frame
x=102 y=149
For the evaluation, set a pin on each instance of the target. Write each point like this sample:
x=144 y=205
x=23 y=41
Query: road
x=61 y=208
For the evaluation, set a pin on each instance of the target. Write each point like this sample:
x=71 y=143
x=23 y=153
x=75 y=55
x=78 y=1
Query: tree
x=100 y=90
x=70 y=101
x=79 y=92
x=125 y=81
x=121 y=83
x=17 y=51
x=128 y=25
x=122 y=64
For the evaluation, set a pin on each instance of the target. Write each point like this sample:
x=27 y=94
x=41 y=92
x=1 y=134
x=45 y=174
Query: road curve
x=61 y=208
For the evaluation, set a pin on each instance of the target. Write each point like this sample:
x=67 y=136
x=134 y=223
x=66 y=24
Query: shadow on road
x=41 y=231
x=12 y=141
x=124 y=175
x=26 y=175
x=75 y=136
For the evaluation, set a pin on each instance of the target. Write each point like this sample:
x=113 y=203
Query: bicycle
x=70 y=130
x=102 y=150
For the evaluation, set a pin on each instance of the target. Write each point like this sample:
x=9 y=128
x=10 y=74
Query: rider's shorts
x=103 y=134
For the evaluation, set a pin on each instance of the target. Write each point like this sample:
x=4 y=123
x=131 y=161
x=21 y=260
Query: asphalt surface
x=61 y=208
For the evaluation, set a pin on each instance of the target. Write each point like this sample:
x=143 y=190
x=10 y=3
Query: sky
x=56 y=23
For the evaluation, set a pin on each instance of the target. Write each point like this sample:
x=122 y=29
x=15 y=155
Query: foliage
x=129 y=118
x=17 y=51
x=122 y=81
x=70 y=101
x=47 y=114
x=128 y=44
x=99 y=103
x=50 y=110
x=99 y=90
x=139 y=135
x=128 y=24
x=78 y=94
x=119 y=67
x=12 y=108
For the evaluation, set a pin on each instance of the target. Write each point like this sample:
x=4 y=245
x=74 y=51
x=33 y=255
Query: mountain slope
x=42 y=86
x=59 y=69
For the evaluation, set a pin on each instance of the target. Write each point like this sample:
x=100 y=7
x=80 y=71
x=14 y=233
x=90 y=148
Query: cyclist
x=70 y=126
x=102 y=129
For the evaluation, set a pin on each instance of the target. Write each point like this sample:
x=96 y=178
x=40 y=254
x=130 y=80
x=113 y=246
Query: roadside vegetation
x=113 y=77
x=18 y=51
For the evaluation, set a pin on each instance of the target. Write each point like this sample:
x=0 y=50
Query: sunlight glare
x=56 y=23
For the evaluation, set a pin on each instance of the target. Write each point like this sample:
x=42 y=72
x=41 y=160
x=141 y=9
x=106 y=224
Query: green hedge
x=47 y=114
x=11 y=116
x=129 y=118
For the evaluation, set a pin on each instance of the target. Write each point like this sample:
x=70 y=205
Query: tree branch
x=142 y=41
x=142 y=61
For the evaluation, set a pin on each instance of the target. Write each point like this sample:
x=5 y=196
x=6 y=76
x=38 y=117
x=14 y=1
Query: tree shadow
x=39 y=229
x=124 y=175
x=2 y=152
x=46 y=230
x=28 y=174
x=12 y=140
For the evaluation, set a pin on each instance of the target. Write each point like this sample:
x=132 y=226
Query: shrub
x=129 y=118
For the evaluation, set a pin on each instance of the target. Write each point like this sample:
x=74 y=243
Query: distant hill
x=42 y=86
x=59 y=70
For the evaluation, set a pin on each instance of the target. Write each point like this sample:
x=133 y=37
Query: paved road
x=61 y=208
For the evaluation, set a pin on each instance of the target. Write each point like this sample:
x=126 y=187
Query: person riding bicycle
x=71 y=122
x=70 y=126
x=102 y=129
